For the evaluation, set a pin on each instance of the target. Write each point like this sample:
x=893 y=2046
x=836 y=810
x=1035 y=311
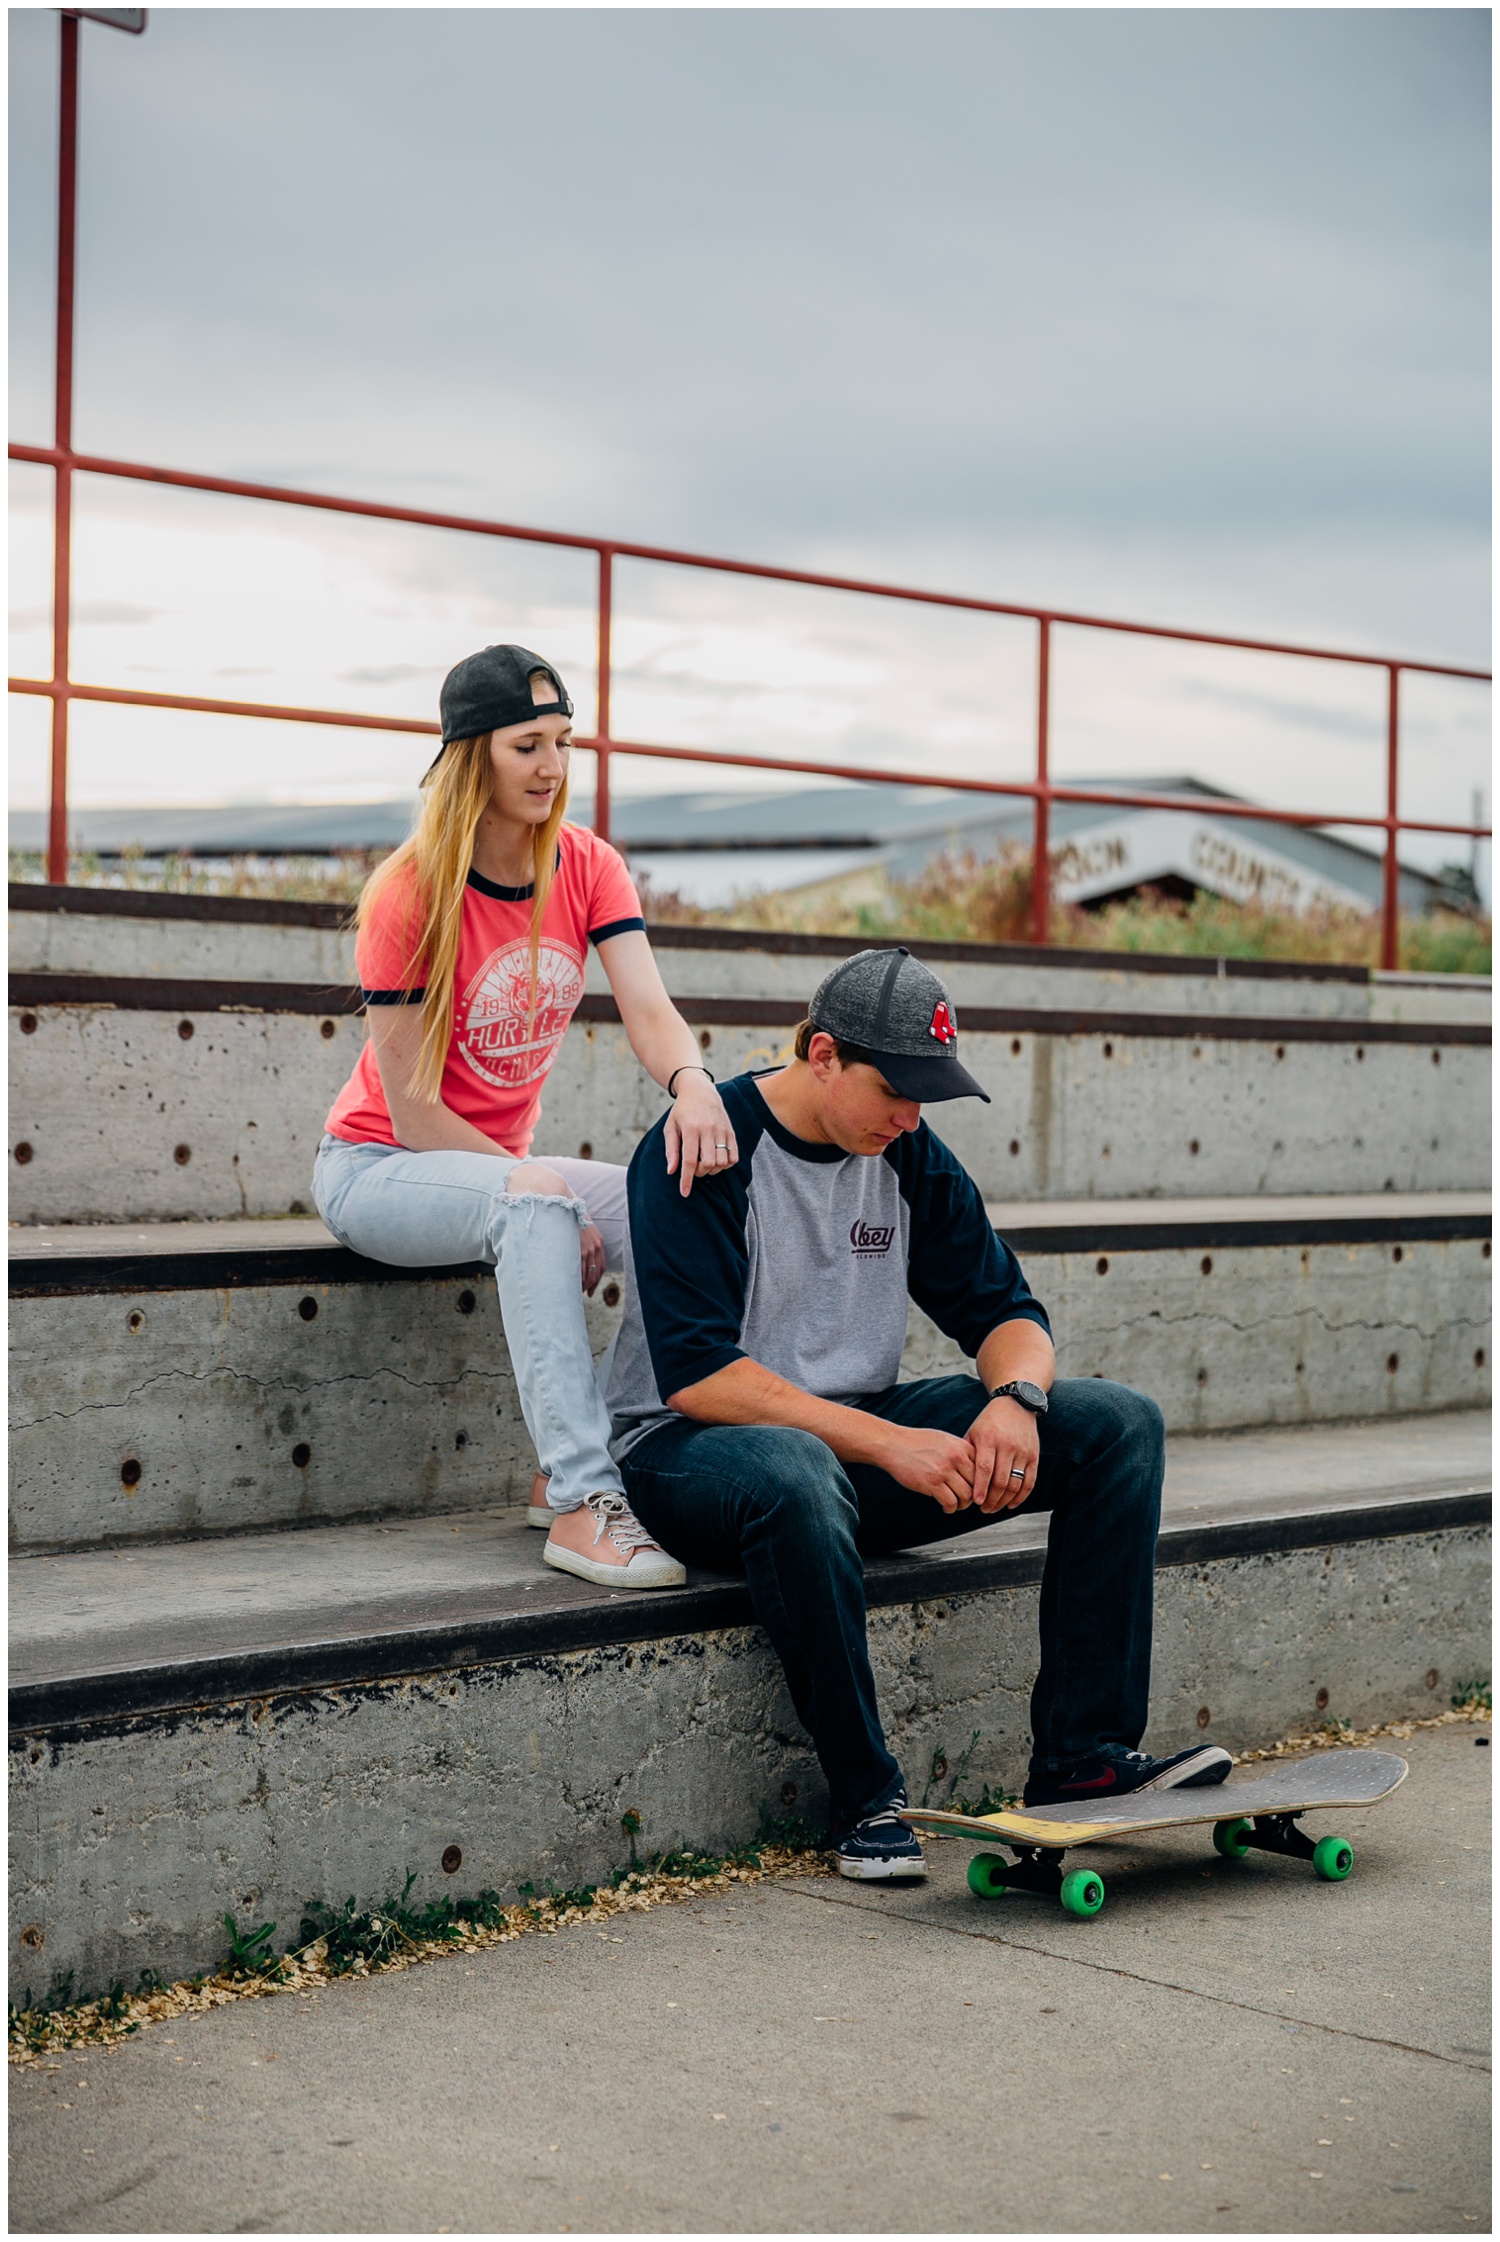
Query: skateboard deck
x=1255 y=1813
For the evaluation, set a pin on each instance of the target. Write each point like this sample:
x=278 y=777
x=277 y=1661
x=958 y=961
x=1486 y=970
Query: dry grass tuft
x=965 y=898
x=1333 y=1735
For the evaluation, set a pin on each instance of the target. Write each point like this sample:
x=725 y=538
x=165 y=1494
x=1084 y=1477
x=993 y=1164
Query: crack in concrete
x=1139 y=1977
x=1159 y=1320
x=193 y=1378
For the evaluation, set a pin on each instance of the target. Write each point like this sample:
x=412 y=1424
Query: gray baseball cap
x=900 y=1013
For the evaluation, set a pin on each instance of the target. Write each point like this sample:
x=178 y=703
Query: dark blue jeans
x=778 y=1506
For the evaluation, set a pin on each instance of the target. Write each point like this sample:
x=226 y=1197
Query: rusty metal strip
x=146 y=993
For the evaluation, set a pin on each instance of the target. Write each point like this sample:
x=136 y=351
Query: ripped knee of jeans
x=533 y=1178
x=532 y=1184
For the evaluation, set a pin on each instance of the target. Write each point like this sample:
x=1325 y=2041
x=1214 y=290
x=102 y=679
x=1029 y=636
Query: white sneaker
x=539 y=1512
x=604 y=1541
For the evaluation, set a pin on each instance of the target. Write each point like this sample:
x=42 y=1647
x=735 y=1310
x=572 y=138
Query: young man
x=759 y=1425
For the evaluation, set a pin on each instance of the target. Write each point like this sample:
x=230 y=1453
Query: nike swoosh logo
x=1106 y=1781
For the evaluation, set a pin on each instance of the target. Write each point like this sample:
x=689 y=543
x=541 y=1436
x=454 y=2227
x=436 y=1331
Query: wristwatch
x=1021 y=1389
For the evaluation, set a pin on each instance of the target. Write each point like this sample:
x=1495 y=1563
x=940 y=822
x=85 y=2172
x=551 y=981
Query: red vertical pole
x=1390 y=913
x=1041 y=870
x=62 y=515
x=601 y=757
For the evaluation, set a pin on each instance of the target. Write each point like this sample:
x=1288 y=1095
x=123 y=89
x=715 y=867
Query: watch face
x=1033 y=1396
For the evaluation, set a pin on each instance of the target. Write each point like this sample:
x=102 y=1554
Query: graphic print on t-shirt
x=495 y=1010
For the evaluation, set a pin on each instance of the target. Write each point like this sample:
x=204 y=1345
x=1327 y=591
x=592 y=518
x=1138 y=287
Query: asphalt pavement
x=1226 y=2048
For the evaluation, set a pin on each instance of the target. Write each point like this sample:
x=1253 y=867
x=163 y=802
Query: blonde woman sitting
x=471 y=948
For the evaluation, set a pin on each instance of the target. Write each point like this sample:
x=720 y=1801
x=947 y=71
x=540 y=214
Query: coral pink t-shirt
x=498 y=1056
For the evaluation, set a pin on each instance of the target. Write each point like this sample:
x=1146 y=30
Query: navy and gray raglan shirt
x=802 y=1258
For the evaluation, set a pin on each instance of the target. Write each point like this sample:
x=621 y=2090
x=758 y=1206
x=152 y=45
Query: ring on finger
x=1017 y=1474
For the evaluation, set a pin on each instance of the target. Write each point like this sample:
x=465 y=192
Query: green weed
x=630 y=1822
x=115 y=2006
x=988 y=1802
x=355 y=1937
x=956 y=1777
x=39 y=2020
x=250 y=1953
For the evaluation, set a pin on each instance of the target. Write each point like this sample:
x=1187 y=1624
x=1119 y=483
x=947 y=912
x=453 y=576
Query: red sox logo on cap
x=942 y=1027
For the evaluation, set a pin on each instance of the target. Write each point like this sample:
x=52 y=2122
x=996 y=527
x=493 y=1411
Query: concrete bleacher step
x=248 y=1723
x=212 y=1713
x=173 y=1067
x=257 y=938
x=175 y=1623
x=188 y=1379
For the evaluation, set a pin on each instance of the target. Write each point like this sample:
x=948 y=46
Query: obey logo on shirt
x=870 y=1241
x=494 y=1028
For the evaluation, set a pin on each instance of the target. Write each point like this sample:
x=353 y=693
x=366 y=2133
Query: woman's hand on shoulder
x=699 y=1133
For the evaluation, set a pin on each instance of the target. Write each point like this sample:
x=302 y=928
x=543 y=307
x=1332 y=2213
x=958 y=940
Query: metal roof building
x=711 y=845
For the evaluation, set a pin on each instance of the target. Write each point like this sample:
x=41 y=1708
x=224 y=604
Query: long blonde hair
x=455 y=795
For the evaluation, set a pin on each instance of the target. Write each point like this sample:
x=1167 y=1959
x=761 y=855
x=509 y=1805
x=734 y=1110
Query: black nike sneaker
x=1116 y=1771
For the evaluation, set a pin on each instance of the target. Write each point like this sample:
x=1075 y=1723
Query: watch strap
x=1009 y=1393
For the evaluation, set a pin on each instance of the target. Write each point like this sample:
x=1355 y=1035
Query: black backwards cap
x=900 y=1014
x=485 y=692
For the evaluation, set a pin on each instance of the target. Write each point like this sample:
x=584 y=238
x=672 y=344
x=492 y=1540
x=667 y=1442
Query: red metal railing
x=61 y=689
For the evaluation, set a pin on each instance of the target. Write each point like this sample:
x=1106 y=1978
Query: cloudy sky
x=1175 y=314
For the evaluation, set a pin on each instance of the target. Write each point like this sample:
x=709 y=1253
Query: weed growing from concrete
x=250 y=1952
x=59 y=2019
x=956 y=1797
x=351 y=1941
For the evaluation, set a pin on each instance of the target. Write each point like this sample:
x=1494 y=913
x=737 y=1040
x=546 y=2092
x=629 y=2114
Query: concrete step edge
x=204 y=1264
x=115 y=1699
x=34 y=991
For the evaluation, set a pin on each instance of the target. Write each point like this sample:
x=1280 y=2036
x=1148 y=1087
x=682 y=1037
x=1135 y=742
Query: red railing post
x=1041 y=869
x=601 y=752
x=62 y=496
x=1390 y=907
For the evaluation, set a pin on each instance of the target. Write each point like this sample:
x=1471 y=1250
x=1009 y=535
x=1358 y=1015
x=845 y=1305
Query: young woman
x=471 y=949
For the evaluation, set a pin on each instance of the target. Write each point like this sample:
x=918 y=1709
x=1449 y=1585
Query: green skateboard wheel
x=1333 y=1857
x=987 y=1876
x=1232 y=1839
x=1083 y=1892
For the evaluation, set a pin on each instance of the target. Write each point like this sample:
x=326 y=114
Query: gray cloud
x=1178 y=310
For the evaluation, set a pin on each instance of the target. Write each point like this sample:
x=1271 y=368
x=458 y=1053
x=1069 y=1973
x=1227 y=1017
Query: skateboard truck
x=1332 y=1857
x=1036 y=1868
x=1278 y=1833
x=1033 y=1870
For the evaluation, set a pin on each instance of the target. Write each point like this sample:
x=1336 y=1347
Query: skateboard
x=1257 y=1813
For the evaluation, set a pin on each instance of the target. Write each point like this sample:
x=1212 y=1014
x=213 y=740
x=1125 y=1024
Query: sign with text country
x=1159 y=845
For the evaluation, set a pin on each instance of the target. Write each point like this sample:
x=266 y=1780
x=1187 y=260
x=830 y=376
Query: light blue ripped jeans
x=426 y=1210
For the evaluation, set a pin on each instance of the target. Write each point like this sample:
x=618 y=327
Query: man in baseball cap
x=898 y=1013
x=760 y=1422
